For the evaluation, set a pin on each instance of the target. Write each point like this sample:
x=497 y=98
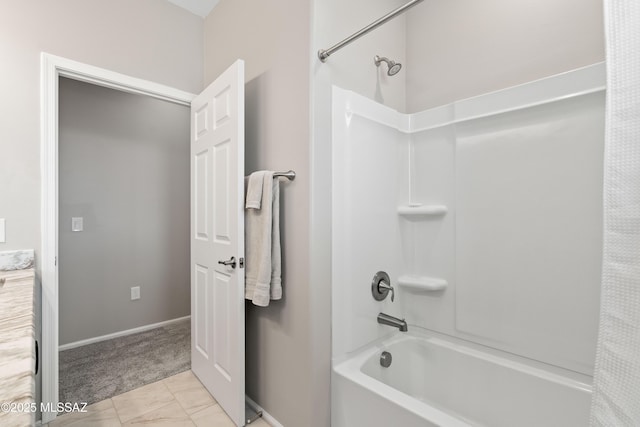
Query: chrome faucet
x=385 y=319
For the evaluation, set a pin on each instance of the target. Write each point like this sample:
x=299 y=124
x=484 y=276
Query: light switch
x=3 y=235
x=77 y=223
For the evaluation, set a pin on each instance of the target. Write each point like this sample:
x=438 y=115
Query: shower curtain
x=616 y=397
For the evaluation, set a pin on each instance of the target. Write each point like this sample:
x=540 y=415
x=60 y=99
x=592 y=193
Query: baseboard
x=265 y=415
x=120 y=334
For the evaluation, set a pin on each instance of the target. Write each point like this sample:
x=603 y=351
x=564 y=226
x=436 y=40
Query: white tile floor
x=180 y=400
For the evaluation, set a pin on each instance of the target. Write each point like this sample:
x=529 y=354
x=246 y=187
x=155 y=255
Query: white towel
x=276 y=266
x=254 y=190
x=262 y=243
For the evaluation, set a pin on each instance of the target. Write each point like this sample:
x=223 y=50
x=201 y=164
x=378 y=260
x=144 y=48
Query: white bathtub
x=435 y=380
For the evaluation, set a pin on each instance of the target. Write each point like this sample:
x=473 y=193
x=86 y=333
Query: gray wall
x=149 y=39
x=124 y=168
x=273 y=38
x=461 y=48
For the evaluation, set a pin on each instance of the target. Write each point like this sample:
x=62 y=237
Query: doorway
x=216 y=224
x=123 y=236
x=53 y=68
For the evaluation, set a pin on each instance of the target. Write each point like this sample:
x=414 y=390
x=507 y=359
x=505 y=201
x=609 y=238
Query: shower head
x=394 y=67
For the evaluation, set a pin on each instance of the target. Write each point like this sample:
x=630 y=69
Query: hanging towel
x=254 y=190
x=262 y=242
x=276 y=266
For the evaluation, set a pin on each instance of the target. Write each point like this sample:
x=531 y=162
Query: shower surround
x=487 y=215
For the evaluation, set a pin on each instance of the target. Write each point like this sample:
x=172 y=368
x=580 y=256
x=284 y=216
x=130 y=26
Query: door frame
x=52 y=67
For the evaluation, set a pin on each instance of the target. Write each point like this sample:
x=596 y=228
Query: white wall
x=452 y=50
x=150 y=39
x=124 y=168
x=352 y=67
x=528 y=235
x=462 y=48
x=273 y=39
x=370 y=180
x=520 y=246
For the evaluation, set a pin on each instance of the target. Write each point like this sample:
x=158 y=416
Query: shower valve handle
x=384 y=287
x=381 y=286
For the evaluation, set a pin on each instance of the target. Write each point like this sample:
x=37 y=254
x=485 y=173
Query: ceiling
x=198 y=7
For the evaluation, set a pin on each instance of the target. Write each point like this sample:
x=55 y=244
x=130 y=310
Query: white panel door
x=217 y=235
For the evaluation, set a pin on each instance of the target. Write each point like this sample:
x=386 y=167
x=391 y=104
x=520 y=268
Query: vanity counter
x=17 y=347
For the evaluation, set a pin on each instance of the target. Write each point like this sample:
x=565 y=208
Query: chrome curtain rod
x=290 y=175
x=323 y=54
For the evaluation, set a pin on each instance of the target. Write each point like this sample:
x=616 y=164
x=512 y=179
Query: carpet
x=98 y=371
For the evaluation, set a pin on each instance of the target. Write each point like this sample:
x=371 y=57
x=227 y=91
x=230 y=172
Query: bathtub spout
x=385 y=319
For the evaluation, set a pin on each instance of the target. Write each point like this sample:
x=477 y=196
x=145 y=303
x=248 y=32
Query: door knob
x=230 y=262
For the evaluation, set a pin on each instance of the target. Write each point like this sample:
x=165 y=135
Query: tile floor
x=177 y=401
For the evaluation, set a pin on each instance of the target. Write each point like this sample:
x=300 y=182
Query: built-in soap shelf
x=422 y=283
x=415 y=210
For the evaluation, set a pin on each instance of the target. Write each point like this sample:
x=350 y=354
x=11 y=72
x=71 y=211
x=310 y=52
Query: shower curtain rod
x=324 y=54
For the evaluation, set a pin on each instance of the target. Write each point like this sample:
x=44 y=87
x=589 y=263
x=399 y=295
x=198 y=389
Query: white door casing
x=217 y=234
x=52 y=68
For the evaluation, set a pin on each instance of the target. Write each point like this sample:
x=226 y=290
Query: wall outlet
x=135 y=293
x=3 y=236
x=77 y=223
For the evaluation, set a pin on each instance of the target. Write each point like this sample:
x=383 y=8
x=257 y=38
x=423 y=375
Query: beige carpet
x=99 y=371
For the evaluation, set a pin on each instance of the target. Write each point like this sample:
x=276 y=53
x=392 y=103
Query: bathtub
x=435 y=380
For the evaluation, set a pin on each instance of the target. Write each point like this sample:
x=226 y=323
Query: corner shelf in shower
x=418 y=210
x=422 y=283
